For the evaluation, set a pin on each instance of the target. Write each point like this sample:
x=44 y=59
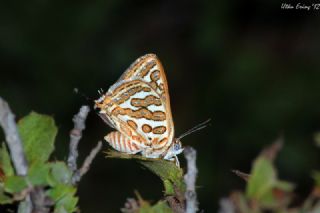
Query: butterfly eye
x=177 y=146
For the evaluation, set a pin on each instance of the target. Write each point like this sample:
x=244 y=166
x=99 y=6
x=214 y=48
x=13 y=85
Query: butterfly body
x=138 y=107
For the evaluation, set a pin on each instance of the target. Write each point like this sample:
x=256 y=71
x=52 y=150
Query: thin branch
x=86 y=164
x=13 y=140
x=14 y=143
x=190 y=180
x=242 y=175
x=75 y=136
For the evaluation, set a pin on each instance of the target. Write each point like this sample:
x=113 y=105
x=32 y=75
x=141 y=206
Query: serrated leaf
x=38 y=173
x=59 y=173
x=5 y=161
x=63 y=196
x=15 y=184
x=262 y=179
x=37 y=133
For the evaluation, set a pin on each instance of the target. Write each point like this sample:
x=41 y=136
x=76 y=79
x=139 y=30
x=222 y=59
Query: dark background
x=250 y=66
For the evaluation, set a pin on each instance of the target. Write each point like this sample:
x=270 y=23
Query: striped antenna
x=195 y=128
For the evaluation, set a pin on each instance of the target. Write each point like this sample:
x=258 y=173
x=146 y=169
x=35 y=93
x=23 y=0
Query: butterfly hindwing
x=138 y=105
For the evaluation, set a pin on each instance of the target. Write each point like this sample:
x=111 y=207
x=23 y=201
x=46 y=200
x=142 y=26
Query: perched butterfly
x=138 y=107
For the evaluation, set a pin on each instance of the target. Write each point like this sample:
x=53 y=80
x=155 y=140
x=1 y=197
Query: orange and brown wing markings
x=164 y=140
x=132 y=124
x=146 y=128
x=127 y=141
x=146 y=89
x=134 y=146
x=159 y=116
x=145 y=102
x=153 y=85
x=140 y=113
x=141 y=65
x=145 y=70
x=159 y=130
x=155 y=75
x=132 y=91
x=124 y=144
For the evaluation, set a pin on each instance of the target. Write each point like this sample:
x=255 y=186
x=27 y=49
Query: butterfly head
x=175 y=149
x=102 y=102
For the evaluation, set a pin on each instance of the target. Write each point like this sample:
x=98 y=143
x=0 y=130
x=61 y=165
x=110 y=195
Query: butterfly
x=138 y=107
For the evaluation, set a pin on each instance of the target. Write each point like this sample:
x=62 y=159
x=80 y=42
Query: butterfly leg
x=175 y=160
x=122 y=143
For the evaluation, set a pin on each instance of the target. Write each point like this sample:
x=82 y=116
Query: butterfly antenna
x=195 y=128
x=77 y=91
x=100 y=91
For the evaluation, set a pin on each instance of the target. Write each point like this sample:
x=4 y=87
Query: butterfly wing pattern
x=138 y=107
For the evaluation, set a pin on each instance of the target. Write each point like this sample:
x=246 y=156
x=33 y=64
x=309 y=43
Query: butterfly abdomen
x=121 y=143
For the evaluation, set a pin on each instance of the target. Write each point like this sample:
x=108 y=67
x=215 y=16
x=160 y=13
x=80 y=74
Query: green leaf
x=63 y=196
x=262 y=179
x=69 y=203
x=37 y=133
x=161 y=207
x=170 y=174
x=5 y=161
x=60 y=209
x=59 y=173
x=38 y=173
x=4 y=199
x=15 y=184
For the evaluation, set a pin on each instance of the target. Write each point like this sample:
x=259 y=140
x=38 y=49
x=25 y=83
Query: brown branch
x=14 y=143
x=86 y=164
x=190 y=180
x=75 y=136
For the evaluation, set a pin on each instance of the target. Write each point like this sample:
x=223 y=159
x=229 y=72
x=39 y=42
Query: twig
x=86 y=164
x=242 y=175
x=13 y=140
x=75 y=136
x=190 y=179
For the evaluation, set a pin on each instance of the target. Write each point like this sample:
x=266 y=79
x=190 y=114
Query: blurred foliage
x=250 y=66
x=266 y=193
